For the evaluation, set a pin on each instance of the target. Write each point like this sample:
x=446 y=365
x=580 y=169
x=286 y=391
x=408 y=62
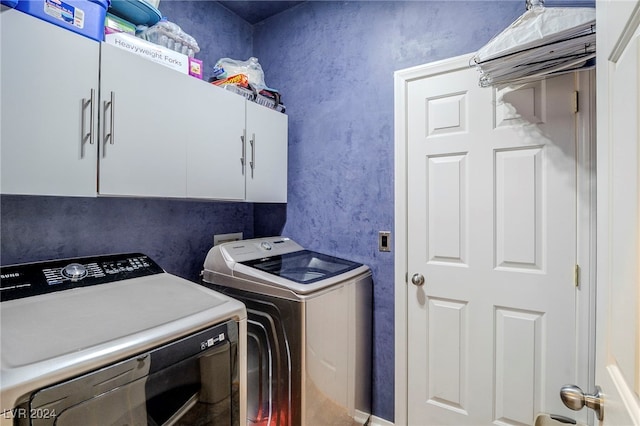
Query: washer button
x=265 y=245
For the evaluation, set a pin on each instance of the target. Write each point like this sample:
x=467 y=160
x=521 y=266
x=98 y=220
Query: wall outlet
x=225 y=238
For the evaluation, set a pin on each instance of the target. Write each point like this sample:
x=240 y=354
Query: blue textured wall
x=176 y=234
x=334 y=62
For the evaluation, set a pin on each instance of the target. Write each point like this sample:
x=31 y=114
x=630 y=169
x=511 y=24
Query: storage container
x=114 y=24
x=85 y=17
x=9 y=3
x=138 y=12
x=169 y=34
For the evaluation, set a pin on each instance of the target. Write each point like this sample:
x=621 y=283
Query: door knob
x=417 y=279
x=573 y=398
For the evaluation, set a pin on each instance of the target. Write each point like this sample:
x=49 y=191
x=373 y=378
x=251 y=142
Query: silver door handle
x=243 y=138
x=87 y=104
x=111 y=104
x=417 y=279
x=573 y=398
x=252 y=141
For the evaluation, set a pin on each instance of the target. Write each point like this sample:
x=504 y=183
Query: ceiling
x=256 y=11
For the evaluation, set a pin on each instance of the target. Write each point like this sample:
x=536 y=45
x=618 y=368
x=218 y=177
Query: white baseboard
x=360 y=417
x=377 y=421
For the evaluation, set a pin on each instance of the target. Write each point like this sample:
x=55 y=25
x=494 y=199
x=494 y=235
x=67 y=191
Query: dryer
x=309 y=330
x=113 y=340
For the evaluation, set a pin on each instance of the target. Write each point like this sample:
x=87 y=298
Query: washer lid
x=278 y=266
x=303 y=267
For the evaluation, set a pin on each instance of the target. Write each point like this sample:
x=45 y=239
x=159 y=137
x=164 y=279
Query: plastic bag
x=170 y=35
x=226 y=67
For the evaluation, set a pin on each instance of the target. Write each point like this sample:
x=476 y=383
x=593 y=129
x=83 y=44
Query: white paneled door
x=491 y=248
x=618 y=320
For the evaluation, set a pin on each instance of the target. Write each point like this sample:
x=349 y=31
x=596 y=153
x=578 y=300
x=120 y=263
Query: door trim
x=586 y=244
x=586 y=226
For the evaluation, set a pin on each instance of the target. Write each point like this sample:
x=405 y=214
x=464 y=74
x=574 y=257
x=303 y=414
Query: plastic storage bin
x=85 y=17
x=9 y=3
x=138 y=12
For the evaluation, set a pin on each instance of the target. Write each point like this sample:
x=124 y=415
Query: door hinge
x=574 y=101
x=576 y=276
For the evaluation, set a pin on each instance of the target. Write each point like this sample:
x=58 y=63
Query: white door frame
x=586 y=244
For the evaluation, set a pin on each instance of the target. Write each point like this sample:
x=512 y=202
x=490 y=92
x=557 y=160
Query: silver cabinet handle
x=573 y=398
x=252 y=141
x=417 y=279
x=243 y=138
x=87 y=103
x=111 y=104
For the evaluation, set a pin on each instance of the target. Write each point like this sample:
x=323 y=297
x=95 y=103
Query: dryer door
x=195 y=378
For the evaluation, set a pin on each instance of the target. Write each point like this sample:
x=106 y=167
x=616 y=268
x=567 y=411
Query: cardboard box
x=195 y=68
x=153 y=52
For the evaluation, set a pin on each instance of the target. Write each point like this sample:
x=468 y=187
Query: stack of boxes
x=106 y=20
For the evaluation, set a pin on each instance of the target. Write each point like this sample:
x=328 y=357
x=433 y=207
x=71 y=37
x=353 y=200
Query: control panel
x=32 y=279
x=243 y=250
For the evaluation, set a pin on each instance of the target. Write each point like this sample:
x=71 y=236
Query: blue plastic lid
x=103 y=3
x=9 y=3
x=138 y=12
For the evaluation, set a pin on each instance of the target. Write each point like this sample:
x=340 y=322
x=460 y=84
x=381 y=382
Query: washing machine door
x=304 y=266
x=191 y=381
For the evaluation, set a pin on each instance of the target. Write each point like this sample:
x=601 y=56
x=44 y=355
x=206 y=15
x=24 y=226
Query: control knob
x=74 y=271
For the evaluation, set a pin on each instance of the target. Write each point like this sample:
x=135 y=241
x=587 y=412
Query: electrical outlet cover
x=225 y=238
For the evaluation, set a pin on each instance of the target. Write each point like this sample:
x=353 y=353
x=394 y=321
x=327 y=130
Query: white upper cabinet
x=266 y=172
x=145 y=126
x=241 y=155
x=160 y=134
x=214 y=154
x=49 y=77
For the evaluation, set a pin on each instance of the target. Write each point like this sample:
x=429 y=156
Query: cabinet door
x=215 y=163
x=145 y=124
x=48 y=75
x=266 y=172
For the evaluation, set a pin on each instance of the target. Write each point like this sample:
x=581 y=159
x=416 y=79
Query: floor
x=323 y=411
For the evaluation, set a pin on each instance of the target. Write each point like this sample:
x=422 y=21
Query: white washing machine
x=115 y=340
x=309 y=330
